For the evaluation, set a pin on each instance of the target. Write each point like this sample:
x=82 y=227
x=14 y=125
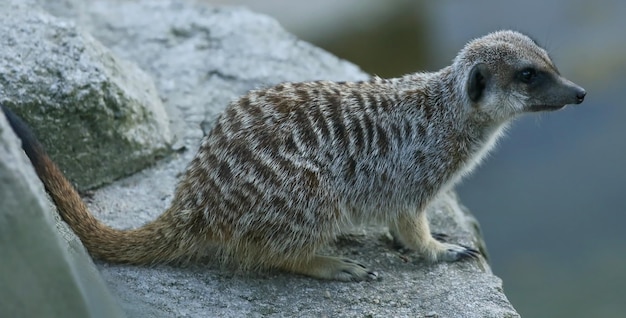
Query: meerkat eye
x=527 y=75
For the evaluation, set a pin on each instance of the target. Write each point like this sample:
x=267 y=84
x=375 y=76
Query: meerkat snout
x=580 y=95
x=572 y=93
x=556 y=93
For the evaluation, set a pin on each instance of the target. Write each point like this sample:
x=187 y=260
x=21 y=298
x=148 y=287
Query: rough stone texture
x=200 y=58
x=41 y=274
x=99 y=116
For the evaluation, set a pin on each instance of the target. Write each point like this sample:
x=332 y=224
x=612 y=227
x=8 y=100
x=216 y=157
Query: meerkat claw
x=469 y=253
x=441 y=237
x=371 y=275
x=354 y=271
x=350 y=261
x=454 y=252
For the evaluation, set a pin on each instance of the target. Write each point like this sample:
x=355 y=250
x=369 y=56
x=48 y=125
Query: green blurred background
x=551 y=198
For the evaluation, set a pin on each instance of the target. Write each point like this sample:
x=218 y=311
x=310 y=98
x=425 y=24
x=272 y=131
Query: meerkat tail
x=146 y=245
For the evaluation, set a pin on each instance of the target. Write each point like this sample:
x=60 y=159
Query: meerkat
x=286 y=169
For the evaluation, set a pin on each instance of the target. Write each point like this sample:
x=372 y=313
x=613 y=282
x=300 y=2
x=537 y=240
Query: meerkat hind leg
x=413 y=232
x=332 y=268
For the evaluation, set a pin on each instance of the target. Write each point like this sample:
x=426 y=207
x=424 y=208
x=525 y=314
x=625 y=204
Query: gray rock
x=200 y=58
x=98 y=115
x=42 y=274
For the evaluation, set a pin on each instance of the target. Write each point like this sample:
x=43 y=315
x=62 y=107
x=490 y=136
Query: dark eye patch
x=527 y=75
x=532 y=77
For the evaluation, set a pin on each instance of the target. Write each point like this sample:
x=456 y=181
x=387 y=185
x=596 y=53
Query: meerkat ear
x=477 y=81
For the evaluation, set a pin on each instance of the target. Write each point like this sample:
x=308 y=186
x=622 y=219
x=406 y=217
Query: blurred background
x=551 y=198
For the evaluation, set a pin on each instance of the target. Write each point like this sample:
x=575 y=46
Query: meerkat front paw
x=454 y=252
x=436 y=249
x=413 y=232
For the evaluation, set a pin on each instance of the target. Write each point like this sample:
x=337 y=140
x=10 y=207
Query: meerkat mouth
x=543 y=108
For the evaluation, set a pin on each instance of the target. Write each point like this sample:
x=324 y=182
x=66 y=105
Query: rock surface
x=201 y=57
x=41 y=273
x=74 y=91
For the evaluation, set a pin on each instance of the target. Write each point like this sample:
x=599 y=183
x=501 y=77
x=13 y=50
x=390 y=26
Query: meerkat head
x=507 y=74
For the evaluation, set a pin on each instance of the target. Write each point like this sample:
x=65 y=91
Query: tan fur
x=286 y=169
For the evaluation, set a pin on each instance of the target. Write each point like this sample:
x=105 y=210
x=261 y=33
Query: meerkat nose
x=580 y=95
